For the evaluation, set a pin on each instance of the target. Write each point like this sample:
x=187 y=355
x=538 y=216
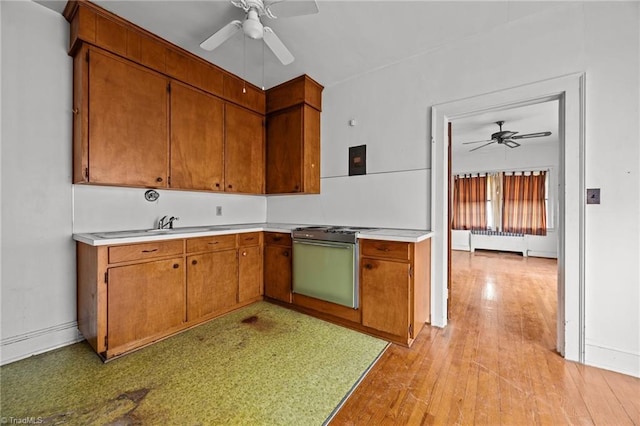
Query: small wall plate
x=151 y=195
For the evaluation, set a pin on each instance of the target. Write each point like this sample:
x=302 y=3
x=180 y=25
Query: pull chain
x=244 y=63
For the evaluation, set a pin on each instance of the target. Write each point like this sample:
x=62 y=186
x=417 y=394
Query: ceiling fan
x=253 y=28
x=506 y=137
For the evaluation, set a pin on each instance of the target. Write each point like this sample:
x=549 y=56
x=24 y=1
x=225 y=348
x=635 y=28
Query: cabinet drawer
x=386 y=249
x=277 y=238
x=145 y=251
x=249 y=239
x=214 y=243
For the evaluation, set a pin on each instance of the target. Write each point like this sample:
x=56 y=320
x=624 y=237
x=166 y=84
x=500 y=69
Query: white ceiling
x=344 y=40
x=535 y=118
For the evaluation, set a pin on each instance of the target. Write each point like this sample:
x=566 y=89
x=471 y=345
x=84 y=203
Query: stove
x=344 y=234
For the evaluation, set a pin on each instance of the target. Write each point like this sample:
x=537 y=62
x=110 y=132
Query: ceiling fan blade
x=487 y=140
x=288 y=9
x=277 y=47
x=482 y=146
x=532 y=135
x=511 y=143
x=222 y=35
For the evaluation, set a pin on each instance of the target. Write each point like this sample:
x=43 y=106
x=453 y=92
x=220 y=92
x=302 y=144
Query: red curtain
x=524 y=209
x=470 y=202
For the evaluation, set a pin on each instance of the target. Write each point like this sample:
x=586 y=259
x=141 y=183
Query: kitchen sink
x=148 y=232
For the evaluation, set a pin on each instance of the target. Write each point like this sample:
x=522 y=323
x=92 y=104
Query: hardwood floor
x=495 y=363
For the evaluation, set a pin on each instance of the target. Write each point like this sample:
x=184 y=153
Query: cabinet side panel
x=87 y=287
x=80 y=117
x=311 y=150
x=422 y=285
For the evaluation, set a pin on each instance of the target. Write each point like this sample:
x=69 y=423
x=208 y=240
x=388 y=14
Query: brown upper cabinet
x=197 y=137
x=293 y=137
x=244 y=150
x=150 y=114
x=127 y=123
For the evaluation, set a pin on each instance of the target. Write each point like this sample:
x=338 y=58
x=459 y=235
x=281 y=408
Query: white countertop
x=141 y=236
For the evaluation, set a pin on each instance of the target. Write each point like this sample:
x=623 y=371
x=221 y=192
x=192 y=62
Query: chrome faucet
x=167 y=223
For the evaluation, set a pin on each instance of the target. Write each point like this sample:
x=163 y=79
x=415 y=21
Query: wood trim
x=300 y=90
x=329 y=308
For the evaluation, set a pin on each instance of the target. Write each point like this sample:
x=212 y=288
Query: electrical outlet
x=218 y=210
x=593 y=196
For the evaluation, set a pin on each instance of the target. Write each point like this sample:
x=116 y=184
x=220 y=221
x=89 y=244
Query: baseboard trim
x=15 y=348
x=613 y=359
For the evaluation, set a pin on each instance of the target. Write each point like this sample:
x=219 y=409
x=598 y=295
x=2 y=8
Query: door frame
x=569 y=90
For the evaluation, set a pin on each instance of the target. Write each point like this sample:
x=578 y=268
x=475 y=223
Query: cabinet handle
x=194 y=262
x=382 y=249
x=75 y=110
x=213 y=243
x=149 y=251
x=176 y=266
x=158 y=179
x=277 y=238
x=248 y=239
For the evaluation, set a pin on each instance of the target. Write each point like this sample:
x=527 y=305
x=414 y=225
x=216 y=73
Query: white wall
x=38 y=255
x=392 y=105
x=107 y=208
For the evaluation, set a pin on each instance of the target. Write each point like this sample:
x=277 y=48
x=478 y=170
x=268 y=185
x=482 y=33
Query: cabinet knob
x=368 y=266
x=244 y=253
x=176 y=266
x=285 y=253
x=230 y=186
x=158 y=179
x=194 y=262
x=217 y=185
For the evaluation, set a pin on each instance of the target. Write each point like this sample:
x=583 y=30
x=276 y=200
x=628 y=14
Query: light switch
x=593 y=196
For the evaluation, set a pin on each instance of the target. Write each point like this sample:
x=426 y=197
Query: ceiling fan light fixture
x=252 y=26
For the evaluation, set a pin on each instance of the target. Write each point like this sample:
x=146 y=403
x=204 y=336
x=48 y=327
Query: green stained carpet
x=260 y=365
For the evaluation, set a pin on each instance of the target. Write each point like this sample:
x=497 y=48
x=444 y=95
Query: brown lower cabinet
x=131 y=295
x=143 y=300
x=277 y=266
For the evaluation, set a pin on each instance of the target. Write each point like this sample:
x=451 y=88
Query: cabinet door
x=244 y=151
x=197 y=131
x=277 y=272
x=249 y=273
x=128 y=119
x=144 y=300
x=385 y=295
x=284 y=151
x=212 y=283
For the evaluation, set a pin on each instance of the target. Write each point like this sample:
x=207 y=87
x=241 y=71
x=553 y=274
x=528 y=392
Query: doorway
x=569 y=92
x=492 y=262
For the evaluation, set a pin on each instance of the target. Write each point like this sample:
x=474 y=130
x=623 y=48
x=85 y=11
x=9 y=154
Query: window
x=469 y=202
x=502 y=201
